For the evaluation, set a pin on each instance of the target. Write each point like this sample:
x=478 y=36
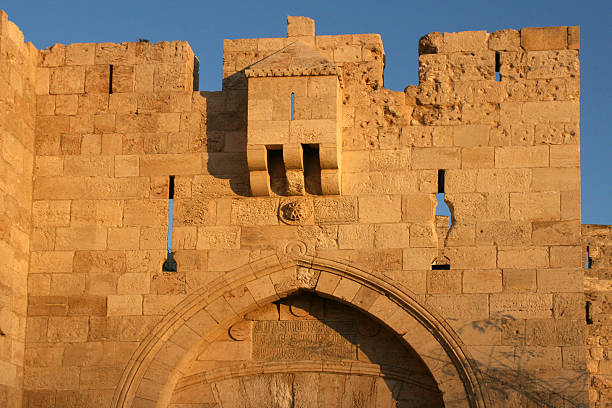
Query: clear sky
x=401 y=23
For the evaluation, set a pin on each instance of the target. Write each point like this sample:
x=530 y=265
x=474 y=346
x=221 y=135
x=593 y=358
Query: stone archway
x=151 y=375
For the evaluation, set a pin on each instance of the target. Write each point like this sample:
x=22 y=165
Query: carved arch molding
x=153 y=371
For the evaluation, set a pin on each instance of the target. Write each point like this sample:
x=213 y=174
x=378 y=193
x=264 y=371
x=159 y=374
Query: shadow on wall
x=226 y=133
x=510 y=372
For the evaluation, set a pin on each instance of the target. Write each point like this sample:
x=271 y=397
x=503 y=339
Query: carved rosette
x=295 y=211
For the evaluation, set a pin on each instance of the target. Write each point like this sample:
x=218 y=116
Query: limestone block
x=423 y=235
x=153 y=237
x=70 y=238
x=123 y=305
x=542 y=206
x=123 y=78
x=477 y=157
x=564 y=156
x=172 y=77
x=51 y=378
x=226 y=260
x=570 y=205
x=506 y=180
x=356 y=236
x=465 y=41
x=503 y=233
x=553 y=111
x=470 y=207
x=126 y=165
x=257 y=211
x=473 y=66
x=104 y=123
x=544 y=38
x=88 y=166
x=159 y=304
x=382 y=209
x=436 y=158
x=554 y=333
x=555 y=179
x=67 y=283
x=145 y=213
x=80 y=54
x=97 y=79
x=218 y=237
x=391 y=235
x=552 y=64
x=67 y=80
x=45 y=105
x=560 y=280
x=443 y=282
x=53 y=56
x=573 y=37
x=87 y=305
x=482 y=281
x=521 y=156
x=472 y=257
x=99 y=377
x=39 y=284
x=170 y=164
x=468 y=306
x=418 y=258
x=522 y=258
x=51 y=261
x=47 y=306
x=519 y=280
x=471 y=135
x=42 y=81
x=566 y=256
x=505 y=40
x=68 y=329
x=521 y=305
x=51 y=213
x=335 y=210
x=556 y=232
x=330 y=182
x=66 y=104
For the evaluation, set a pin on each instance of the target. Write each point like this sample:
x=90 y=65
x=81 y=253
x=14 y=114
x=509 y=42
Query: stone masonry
x=313 y=270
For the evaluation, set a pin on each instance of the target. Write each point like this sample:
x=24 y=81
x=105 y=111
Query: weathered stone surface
x=93 y=134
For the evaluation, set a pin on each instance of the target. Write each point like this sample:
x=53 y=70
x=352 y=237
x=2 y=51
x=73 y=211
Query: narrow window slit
x=442 y=267
x=312 y=169
x=276 y=170
x=170 y=263
x=589 y=261
x=497 y=66
x=110 y=80
x=441 y=181
x=292 y=106
x=442 y=209
x=589 y=312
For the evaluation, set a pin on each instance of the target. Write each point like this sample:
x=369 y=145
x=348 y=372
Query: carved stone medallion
x=295 y=211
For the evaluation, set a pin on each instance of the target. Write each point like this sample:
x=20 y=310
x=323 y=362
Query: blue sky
x=401 y=23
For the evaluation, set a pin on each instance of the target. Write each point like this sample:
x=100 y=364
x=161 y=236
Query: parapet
x=531 y=53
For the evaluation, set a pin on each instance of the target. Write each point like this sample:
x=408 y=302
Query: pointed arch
x=206 y=312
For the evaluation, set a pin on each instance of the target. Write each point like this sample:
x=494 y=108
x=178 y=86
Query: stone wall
x=493 y=124
x=18 y=62
x=598 y=290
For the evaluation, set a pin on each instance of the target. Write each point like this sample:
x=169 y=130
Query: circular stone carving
x=240 y=331
x=294 y=212
x=295 y=248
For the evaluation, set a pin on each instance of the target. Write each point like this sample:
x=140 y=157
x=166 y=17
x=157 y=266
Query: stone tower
x=312 y=267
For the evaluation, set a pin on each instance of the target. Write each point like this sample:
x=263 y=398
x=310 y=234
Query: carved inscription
x=303 y=340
